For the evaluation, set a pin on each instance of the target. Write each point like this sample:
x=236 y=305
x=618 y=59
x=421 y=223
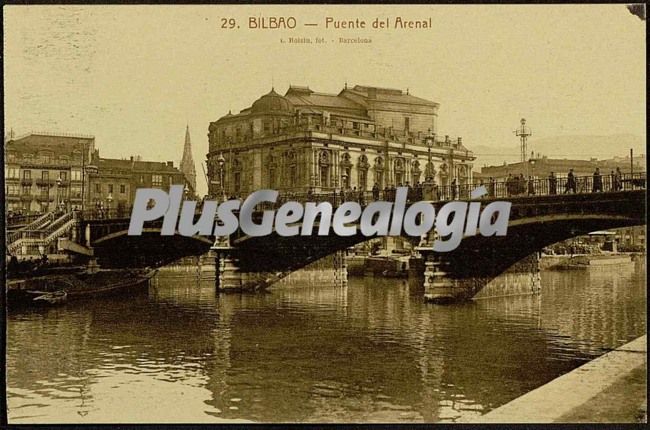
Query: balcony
x=44 y=182
x=26 y=181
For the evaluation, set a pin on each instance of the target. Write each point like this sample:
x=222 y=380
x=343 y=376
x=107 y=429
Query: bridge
x=539 y=217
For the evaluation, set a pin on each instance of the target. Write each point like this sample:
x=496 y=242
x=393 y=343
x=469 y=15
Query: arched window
x=399 y=171
x=346 y=171
x=379 y=171
x=415 y=172
x=362 y=171
x=324 y=168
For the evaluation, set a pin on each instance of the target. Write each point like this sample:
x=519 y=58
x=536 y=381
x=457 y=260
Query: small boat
x=134 y=283
x=56 y=289
x=53 y=298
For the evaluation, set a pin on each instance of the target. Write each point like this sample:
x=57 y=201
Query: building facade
x=112 y=183
x=308 y=140
x=45 y=171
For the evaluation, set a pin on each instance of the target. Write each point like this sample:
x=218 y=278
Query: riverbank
x=611 y=388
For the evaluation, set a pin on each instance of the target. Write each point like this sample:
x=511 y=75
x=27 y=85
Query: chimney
x=170 y=163
x=131 y=158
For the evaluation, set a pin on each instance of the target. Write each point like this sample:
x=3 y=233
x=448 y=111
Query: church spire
x=187 y=162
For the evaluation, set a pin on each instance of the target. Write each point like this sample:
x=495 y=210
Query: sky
x=135 y=76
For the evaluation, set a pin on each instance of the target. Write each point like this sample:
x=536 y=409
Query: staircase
x=40 y=233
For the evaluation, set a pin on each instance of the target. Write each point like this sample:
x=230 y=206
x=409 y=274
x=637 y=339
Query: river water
x=310 y=350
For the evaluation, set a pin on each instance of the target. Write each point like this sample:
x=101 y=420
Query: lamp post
x=222 y=163
x=429 y=140
x=531 y=178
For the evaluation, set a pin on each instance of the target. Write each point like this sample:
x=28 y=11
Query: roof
x=135 y=165
x=386 y=95
x=303 y=97
x=65 y=144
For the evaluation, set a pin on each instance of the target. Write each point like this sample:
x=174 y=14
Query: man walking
x=598 y=182
x=570 y=182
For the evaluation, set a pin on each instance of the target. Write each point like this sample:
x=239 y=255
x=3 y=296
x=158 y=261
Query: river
x=310 y=351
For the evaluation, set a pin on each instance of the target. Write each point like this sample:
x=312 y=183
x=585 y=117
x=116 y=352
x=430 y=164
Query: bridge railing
x=495 y=189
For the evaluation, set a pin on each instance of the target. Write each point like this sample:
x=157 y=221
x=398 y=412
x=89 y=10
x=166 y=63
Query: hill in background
x=570 y=147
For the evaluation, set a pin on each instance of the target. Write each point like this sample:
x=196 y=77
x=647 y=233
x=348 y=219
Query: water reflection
x=310 y=351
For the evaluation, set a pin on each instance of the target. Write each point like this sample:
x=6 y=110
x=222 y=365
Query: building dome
x=272 y=102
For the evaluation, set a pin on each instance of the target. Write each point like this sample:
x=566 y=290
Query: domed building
x=306 y=140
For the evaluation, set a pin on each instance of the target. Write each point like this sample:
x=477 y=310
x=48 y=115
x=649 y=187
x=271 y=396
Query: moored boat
x=79 y=286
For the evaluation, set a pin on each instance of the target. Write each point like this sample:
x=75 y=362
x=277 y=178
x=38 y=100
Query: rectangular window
x=407 y=123
x=27 y=174
x=98 y=188
x=122 y=189
x=63 y=176
x=75 y=175
x=156 y=180
x=75 y=191
x=26 y=190
x=13 y=189
x=110 y=188
x=45 y=174
x=13 y=172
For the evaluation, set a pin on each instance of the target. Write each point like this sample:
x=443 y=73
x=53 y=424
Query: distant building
x=354 y=139
x=44 y=171
x=112 y=182
x=541 y=167
x=187 y=162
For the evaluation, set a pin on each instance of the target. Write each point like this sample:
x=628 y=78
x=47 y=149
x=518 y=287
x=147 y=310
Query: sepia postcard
x=304 y=213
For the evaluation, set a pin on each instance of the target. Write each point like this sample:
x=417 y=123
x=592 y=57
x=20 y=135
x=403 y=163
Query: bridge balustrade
x=495 y=190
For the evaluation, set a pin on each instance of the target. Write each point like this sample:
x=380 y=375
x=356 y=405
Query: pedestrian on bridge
x=510 y=182
x=418 y=191
x=375 y=192
x=552 y=183
x=453 y=189
x=618 y=180
x=531 y=186
x=570 y=183
x=597 y=186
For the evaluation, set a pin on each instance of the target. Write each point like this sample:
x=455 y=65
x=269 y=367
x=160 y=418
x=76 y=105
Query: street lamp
x=430 y=140
x=109 y=200
x=427 y=189
x=222 y=162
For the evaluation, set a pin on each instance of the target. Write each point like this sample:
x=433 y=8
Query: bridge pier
x=438 y=287
x=229 y=277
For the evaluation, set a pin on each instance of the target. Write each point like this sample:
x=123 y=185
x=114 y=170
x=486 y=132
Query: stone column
x=227 y=277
